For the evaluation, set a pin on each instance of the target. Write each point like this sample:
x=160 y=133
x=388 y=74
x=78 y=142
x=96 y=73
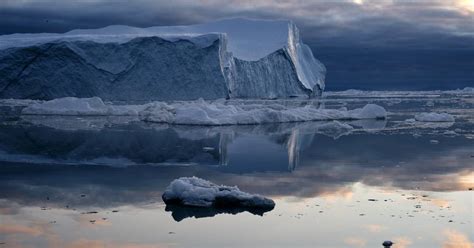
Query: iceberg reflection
x=123 y=142
x=180 y=213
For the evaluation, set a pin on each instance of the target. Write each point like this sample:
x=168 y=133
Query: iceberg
x=201 y=112
x=197 y=192
x=233 y=58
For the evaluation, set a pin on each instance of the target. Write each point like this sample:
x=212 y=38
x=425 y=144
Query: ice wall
x=235 y=58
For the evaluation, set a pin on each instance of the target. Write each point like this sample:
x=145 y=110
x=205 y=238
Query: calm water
x=97 y=182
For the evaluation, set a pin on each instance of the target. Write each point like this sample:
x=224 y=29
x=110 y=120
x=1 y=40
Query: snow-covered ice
x=203 y=112
x=197 y=192
x=434 y=117
x=93 y=106
x=69 y=106
x=218 y=113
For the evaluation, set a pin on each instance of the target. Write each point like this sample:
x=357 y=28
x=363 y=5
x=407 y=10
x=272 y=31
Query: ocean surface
x=97 y=181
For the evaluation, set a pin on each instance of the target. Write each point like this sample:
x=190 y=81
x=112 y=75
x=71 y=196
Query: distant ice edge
x=197 y=192
x=233 y=58
x=201 y=112
x=434 y=117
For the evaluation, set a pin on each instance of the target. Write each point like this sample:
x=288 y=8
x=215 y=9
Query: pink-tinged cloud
x=456 y=239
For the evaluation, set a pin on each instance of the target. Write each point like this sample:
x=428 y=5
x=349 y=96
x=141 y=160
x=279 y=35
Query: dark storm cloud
x=49 y=16
x=344 y=18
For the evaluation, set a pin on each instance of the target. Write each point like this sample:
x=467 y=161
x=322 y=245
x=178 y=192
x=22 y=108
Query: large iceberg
x=234 y=58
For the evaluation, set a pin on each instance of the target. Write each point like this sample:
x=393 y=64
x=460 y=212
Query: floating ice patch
x=434 y=117
x=466 y=90
x=397 y=94
x=68 y=106
x=73 y=106
x=450 y=133
x=202 y=112
x=197 y=192
x=219 y=113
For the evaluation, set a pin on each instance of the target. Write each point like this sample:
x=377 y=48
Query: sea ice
x=203 y=112
x=219 y=113
x=434 y=117
x=68 y=106
x=73 y=106
x=397 y=93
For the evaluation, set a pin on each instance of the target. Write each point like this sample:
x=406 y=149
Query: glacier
x=232 y=58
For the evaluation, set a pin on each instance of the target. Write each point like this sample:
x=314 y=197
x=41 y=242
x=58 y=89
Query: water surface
x=97 y=181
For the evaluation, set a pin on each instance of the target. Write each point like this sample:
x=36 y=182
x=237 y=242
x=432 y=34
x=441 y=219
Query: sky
x=368 y=44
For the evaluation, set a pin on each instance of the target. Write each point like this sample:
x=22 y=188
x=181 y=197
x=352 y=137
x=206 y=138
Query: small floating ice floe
x=429 y=104
x=410 y=121
x=434 y=117
x=208 y=149
x=450 y=133
x=196 y=197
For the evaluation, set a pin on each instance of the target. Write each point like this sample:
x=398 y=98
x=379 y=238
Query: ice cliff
x=235 y=58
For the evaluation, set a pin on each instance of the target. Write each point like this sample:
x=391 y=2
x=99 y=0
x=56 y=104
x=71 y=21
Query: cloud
x=16 y=235
x=85 y=243
x=374 y=228
x=402 y=242
x=19 y=229
x=455 y=239
x=352 y=21
x=355 y=242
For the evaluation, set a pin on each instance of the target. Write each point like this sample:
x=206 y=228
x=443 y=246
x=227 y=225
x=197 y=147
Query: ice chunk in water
x=197 y=192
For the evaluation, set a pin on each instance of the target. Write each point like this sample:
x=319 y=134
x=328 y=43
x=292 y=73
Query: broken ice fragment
x=187 y=192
